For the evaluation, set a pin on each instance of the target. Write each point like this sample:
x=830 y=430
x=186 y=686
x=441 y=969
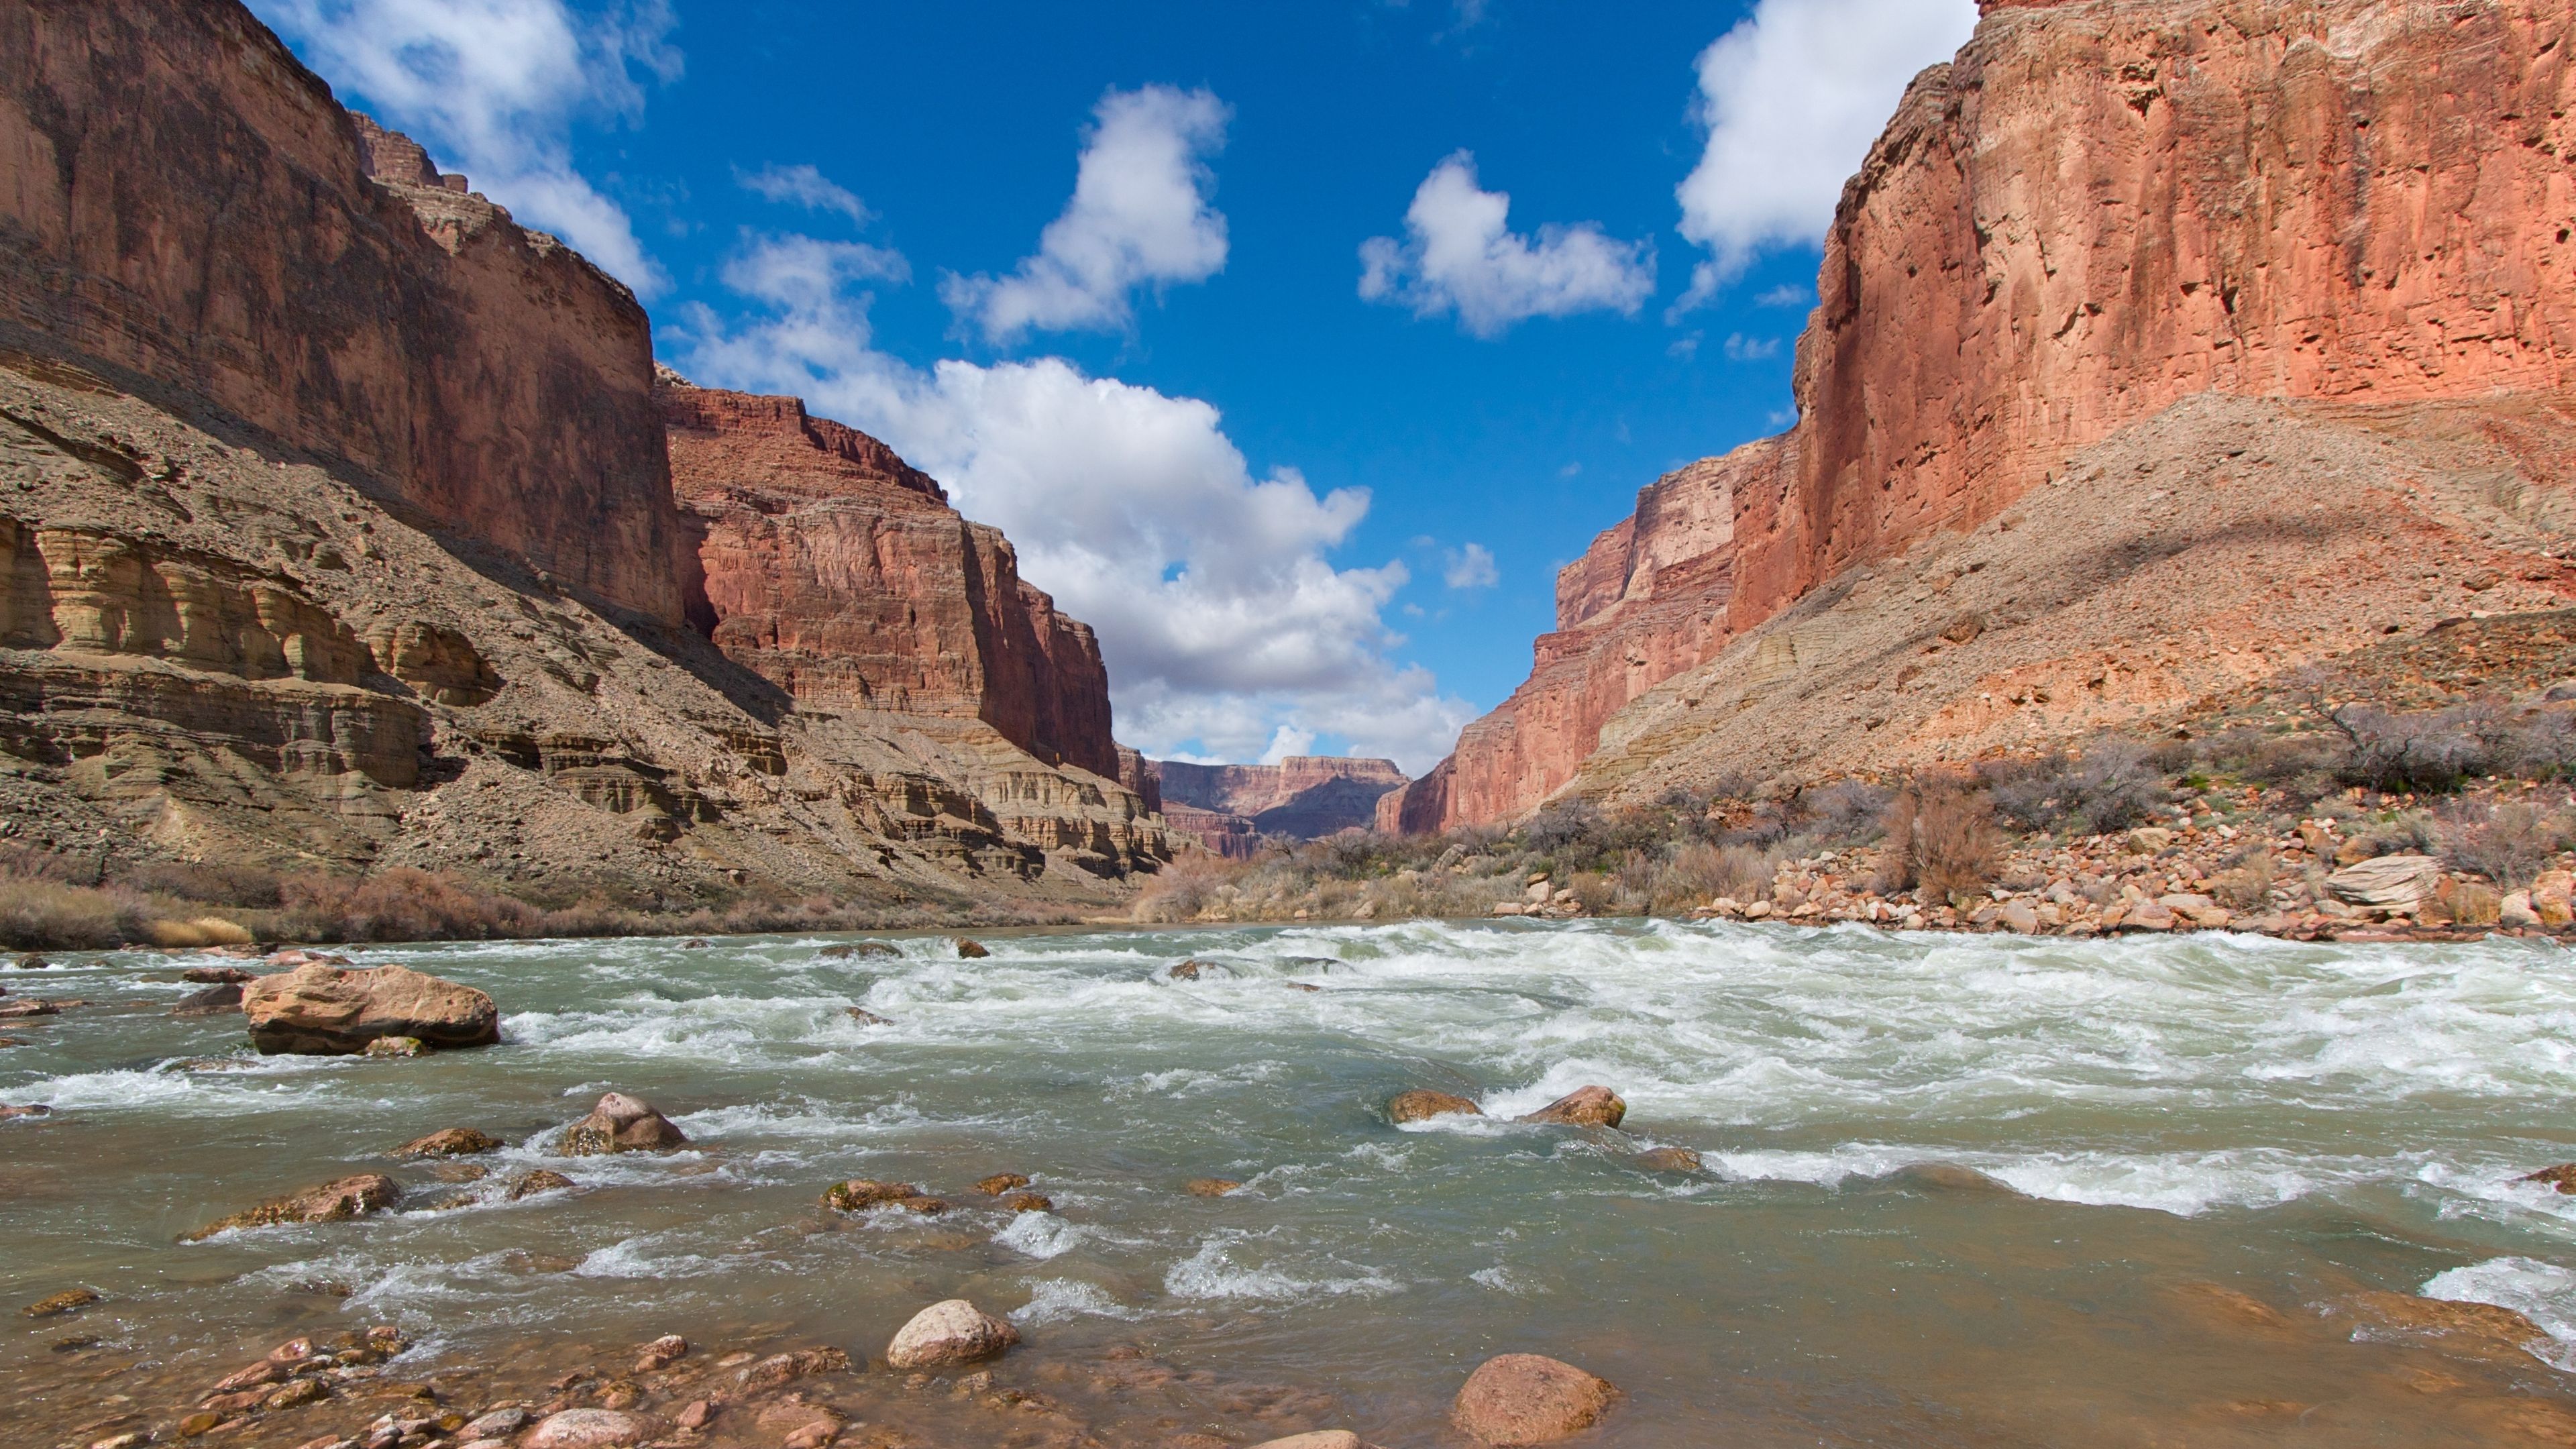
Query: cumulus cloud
x=1139 y=217
x=1792 y=98
x=1472 y=567
x=1222 y=618
x=493 y=87
x=804 y=186
x=1460 y=255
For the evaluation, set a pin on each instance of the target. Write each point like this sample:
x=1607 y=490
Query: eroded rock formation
x=1305 y=797
x=2100 y=209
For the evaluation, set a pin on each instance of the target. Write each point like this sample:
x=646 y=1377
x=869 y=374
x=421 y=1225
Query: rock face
x=2100 y=210
x=332 y=1010
x=186 y=203
x=1304 y=797
x=840 y=573
x=341 y=536
x=1524 y=1398
x=948 y=1334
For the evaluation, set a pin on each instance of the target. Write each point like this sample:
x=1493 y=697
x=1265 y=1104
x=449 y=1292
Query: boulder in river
x=25 y=1114
x=218 y=976
x=70 y=1300
x=971 y=950
x=865 y=1017
x=860 y=1194
x=536 y=1180
x=1526 y=1398
x=1582 y=1107
x=1670 y=1159
x=850 y=949
x=1002 y=1182
x=587 y=1429
x=1213 y=1186
x=221 y=997
x=333 y=1202
x=2561 y=1177
x=1423 y=1104
x=325 y=1010
x=1029 y=1202
x=449 y=1142
x=620 y=1123
x=949 y=1333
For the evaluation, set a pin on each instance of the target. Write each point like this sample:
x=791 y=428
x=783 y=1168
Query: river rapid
x=1958 y=1189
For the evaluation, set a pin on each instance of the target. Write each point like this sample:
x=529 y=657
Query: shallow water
x=2300 y=1125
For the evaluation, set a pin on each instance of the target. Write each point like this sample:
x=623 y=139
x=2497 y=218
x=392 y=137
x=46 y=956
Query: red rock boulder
x=1524 y=1398
x=320 y=1010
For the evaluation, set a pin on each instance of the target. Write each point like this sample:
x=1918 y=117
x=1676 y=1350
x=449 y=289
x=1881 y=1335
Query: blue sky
x=1220 y=312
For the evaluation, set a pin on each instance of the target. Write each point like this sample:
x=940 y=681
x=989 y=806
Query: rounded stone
x=1526 y=1398
x=949 y=1333
x=1423 y=1105
x=1583 y=1107
x=586 y=1429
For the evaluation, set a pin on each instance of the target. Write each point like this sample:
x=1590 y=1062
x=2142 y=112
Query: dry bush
x=250 y=886
x=1184 y=888
x=1847 y=813
x=2428 y=752
x=1595 y=892
x=2248 y=885
x=1941 y=842
x=401 y=905
x=1699 y=872
x=46 y=915
x=2508 y=844
x=174 y=935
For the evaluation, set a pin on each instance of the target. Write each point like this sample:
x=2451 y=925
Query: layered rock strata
x=337 y=533
x=1304 y=797
x=2099 y=209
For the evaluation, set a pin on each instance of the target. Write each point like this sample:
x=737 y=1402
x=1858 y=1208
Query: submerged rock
x=865 y=1017
x=70 y=1300
x=1582 y=1107
x=621 y=1123
x=1029 y=1202
x=533 y=1181
x=2561 y=1177
x=214 y=1000
x=1670 y=1159
x=949 y=1333
x=1002 y=1182
x=397 y=1046
x=782 y=1368
x=860 y=1194
x=1213 y=1186
x=1186 y=971
x=361 y=1196
x=1320 y=1439
x=1422 y=1105
x=449 y=1142
x=1526 y=1398
x=218 y=976
x=326 y=1010
x=850 y=949
x=25 y=1114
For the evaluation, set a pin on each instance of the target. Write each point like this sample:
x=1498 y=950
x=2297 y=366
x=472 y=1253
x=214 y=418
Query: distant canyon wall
x=1230 y=807
x=2099 y=208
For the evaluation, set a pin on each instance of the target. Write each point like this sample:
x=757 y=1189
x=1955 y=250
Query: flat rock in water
x=1423 y=1105
x=68 y=1301
x=333 y=1202
x=2390 y=880
x=620 y=1123
x=218 y=976
x=325 y=1010
x=1583 y=1107
x=1526 y=1398
x=949 y=1333
x=587 y=1429
x=449 y=1142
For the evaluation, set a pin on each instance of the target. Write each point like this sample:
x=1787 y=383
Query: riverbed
x=1957 y=1190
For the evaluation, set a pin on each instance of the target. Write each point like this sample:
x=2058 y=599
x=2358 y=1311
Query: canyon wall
x=1305 y=797
x=840 y=573
x=2100 y=208
x=185 y=209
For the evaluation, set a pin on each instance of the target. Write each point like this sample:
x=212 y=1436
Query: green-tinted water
x=2297 y=1124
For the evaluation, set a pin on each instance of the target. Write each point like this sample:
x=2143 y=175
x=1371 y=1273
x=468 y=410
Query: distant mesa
x=1229 y=808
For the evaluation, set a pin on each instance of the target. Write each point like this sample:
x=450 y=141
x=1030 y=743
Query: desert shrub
x=1564 y=828
x=1697 y=872
x=1849 y=812
x=2542 y=746
x=1941 y=842
x=219 y=885
x=2509 y=844
x=2113 y=785
x=2408 y=832
x=1183 y=889
x=2247 y=885
x=401 y=905
x=2428 y=752
x=1596 y=892
x=38 y=914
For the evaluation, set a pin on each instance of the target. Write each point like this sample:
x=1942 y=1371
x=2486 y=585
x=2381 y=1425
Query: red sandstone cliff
x=185 y=208
x=2100 y=208
x=1303 y=796
x=840 y=573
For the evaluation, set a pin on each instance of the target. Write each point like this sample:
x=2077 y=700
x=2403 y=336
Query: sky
x=1294 y=346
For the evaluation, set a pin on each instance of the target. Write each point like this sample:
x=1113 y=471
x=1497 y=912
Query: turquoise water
x=2300 y=1124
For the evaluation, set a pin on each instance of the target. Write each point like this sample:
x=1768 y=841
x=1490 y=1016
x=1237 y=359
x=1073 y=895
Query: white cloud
x=1740 y=348
x=1787 y=294
x=1139 y=216
x=1221 y=616
x=804 y=186
x=805 y=274
x=492 y=88
x=1460 y=255
x=1792 y=98
x=1288 y=740
x=1472 y=567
